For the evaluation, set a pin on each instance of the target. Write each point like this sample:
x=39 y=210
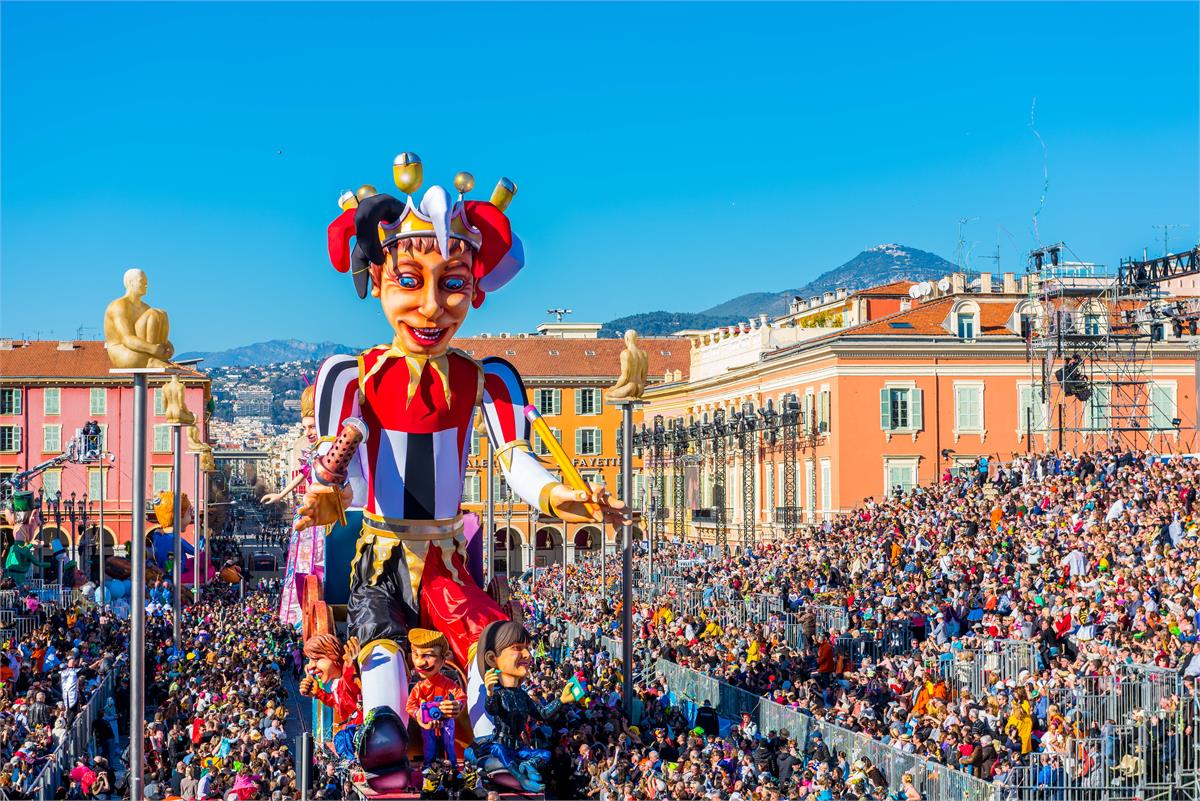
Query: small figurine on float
x=23 y=518
x=331 y=676
x=434 y=701
x=400 y=416
x=504 y=659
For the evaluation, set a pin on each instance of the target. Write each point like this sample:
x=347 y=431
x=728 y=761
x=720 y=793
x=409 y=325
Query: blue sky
x=668 y=156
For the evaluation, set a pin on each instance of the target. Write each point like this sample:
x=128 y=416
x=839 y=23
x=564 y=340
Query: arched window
x=964 y=320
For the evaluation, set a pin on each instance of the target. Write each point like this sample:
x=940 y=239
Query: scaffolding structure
x=1090 y=341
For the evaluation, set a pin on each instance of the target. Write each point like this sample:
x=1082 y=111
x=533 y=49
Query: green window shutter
x=17 y=406
x=1162 y=406
x=16 y=438
x=579 y=440
x=885 y=410
x=557 y=400
x=918 y=421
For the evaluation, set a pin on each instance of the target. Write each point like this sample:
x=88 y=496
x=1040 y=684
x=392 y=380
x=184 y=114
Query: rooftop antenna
x=961 y=253
x=559 y=313
x=1166 y=234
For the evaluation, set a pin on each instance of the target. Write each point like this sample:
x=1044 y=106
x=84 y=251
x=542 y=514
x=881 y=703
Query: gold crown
x=435 y=215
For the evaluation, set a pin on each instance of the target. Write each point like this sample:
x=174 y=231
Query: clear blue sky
x=668 y=156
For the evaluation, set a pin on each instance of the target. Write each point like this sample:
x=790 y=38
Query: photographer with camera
x=435 y=701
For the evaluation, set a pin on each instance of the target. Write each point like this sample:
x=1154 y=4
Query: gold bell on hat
x=407 y=172
x=347 y=200
x=464 y=182
x=503 y=194
x=365 y=191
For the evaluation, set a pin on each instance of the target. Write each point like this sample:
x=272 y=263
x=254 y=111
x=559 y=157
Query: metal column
x=177 y=530
x=196 y=531
x=489 y=527
x=137 y=614
x=627 y=561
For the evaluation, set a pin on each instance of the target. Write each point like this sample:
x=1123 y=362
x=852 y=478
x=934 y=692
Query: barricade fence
x=77 y=742
x=936 y=782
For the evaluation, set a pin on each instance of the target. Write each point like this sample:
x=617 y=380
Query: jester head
x=428 y=262
x=164 y=509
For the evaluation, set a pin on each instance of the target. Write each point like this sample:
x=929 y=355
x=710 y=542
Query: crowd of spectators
x=219 y=705
x=46 y=677
x=1090 y=563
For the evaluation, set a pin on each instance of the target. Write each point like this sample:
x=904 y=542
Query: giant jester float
x=395 y=424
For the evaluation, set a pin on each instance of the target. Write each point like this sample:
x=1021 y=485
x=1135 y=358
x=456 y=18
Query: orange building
x=566 y=369
x=895 y=401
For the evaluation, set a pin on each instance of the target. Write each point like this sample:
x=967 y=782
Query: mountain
x=878 y=265
x=273 y=352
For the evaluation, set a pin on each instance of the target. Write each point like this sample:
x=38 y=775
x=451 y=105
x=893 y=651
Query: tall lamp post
x=627 y=406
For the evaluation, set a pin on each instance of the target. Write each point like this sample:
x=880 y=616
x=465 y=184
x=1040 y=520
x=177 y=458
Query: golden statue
x=208 y=464
x=176 y=410
x=632 y=383
x=135 y=334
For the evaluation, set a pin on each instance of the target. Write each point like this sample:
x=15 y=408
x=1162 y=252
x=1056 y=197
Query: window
x=1098 y=415
x=966 y=325
x=501 y=491
x=6 y=489
x=1030 y=409
x=51 y=400
x=1025 y=326
x=587 y=401
x=161 y=480
x=471 y=487
x=900 y=409
x=51 y=482
x=1091 y=325
x=160 y=406
x=826 y=486
x=808 y=413
x=823 y=411
x=968 y=408
x=539 y=447
x=900 y=475
x=475 y=445
x=10 y=401
x=162 y=439
x=10 y=439
x=549 y=401
x=810 y=489
x=52 y=439
x=98 y=402
x=587 y=441
x=1163 y=407
x=94 y=489
x=769 y=480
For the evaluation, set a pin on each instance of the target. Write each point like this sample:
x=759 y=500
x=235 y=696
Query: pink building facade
x=48 y=391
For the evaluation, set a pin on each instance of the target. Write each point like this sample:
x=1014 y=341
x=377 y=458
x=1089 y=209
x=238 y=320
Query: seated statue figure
x=135 y=334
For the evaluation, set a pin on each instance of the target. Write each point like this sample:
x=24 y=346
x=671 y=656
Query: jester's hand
x=352 y=650
x=308 y=687
x=571 y=505
x=320 y=507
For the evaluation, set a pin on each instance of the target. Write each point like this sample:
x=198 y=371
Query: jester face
x=425 y=295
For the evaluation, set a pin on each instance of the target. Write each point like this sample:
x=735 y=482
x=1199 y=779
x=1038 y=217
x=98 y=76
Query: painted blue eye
x=454 y=284
x=408 y=281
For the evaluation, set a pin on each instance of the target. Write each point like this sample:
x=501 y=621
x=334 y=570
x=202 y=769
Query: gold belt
x=412 y=530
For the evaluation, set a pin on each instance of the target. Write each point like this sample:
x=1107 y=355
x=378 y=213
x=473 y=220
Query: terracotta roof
x=543 y=357
x=928 y=318
x=897 y=288
x=44 y=359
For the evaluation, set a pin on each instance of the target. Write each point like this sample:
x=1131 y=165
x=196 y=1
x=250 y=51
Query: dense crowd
x=45 y=680
x=219 y=704
x=1089 y=562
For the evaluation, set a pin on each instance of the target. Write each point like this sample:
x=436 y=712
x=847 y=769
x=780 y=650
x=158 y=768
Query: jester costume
x=407 y=475
x=306 y=550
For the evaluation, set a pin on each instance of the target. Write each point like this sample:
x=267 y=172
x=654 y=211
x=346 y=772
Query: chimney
x=985 y=283
x=840 y=293
x=1010 y=284
x=827 y=297
x=66 y=345
x=958 y=283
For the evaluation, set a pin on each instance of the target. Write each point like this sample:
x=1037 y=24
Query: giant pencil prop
x=330 y=469
x=570 y=474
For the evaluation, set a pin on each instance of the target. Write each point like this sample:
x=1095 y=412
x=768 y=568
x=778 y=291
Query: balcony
x=704 y=515
x=781 y=513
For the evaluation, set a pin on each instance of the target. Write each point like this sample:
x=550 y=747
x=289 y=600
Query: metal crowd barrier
x=936 y=782
x=43 y=787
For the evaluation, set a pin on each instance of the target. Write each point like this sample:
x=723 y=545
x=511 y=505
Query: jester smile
x=426 y=336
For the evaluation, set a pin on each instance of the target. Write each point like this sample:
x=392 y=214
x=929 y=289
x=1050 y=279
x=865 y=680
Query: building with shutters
x=48 y=390
x=892 y=395
x=566 y=368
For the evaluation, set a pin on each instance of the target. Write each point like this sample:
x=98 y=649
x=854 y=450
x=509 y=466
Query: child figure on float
x=428 y=263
